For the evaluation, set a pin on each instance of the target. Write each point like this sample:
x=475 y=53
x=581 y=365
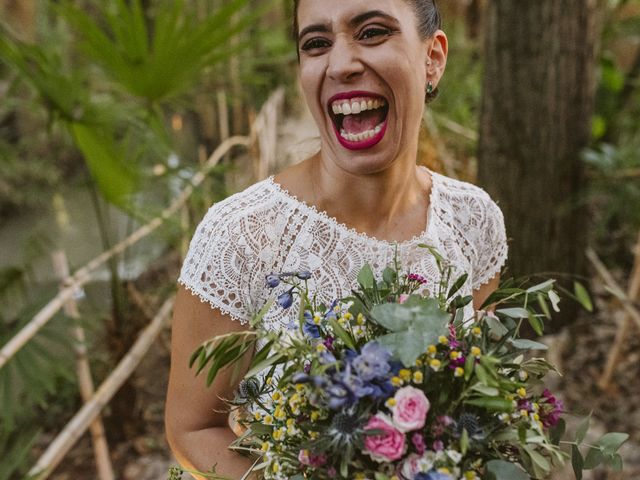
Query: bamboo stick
x=625 y=329
x=81 y=420
x=83 y=275
x=85 y=381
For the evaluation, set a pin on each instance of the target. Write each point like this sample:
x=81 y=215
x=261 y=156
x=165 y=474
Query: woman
x=365 y=66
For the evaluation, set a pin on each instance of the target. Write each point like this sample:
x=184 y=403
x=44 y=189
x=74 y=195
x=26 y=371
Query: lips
x=359 y=118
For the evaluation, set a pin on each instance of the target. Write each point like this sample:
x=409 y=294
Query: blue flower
x=339 y=396
x=309 y=328
x=373 y=362
x=285 y=300
x=432 y=475
x=273 y=280
x=304 y=275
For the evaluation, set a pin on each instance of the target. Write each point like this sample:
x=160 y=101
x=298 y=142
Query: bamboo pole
x=633 y=293
x=83 y=275
x=83 y=370
x=81 y=420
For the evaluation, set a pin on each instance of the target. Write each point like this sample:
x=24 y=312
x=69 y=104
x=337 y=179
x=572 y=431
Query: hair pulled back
x=428 y=21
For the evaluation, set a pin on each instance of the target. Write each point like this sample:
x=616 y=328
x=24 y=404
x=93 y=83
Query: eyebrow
x=355 y=21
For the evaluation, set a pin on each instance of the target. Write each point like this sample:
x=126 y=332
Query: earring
x=429 y=88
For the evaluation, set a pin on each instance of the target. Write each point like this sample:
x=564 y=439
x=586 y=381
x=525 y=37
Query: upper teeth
x=348 y=107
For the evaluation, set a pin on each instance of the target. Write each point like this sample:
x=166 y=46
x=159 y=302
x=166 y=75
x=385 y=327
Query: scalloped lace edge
x=492 y=272
x=224 y=309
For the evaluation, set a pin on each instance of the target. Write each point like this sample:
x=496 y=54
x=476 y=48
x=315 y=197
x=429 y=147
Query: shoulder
x=463 y=202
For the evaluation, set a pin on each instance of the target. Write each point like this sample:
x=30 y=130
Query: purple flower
x=328 y=342
x=433 y=475
x=414 y=277
x=418 y=442
x=373 y=362
x=273 y=280
x=285 y=300
x=438 y=446
x=551 y=410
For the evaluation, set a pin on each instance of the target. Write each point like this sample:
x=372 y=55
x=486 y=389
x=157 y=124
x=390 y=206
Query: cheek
x=310 y=74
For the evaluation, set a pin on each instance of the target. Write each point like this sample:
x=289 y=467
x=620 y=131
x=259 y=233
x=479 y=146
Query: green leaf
x=576 y=462
x=593 y=459
x=544 y=307
x=496 y=328
x=557 y=432
x=544 y=286
x=612 y=441
x=582 y=430
x=583 y=296
x=494 y=404
x=516 y=312
x=114 y=178
x=485 y=390
x=341 y=333
x=615 y=462
x=540 y=463
x=389 y=275
x=502 y=470
x=536 y=324
x=524 y=344
x=457 y=285
x=464 y=441
x=365 y=277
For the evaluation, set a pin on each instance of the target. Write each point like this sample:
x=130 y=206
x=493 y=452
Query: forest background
x=109 y=109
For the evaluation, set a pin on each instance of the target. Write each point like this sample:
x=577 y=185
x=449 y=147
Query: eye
x=370 y=33
x=315 y=44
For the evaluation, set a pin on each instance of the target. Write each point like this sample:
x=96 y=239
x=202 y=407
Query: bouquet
x=390 y=384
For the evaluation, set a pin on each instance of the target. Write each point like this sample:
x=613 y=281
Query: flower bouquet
x=389 y=384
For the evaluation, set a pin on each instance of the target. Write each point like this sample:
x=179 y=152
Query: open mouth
x=359 y=119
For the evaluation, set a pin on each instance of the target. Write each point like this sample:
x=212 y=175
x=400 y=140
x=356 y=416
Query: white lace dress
x=264 y=229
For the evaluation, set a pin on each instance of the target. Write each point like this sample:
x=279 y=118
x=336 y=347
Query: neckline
x=312 y=209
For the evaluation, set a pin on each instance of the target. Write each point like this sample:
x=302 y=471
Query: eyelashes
x=371 y=35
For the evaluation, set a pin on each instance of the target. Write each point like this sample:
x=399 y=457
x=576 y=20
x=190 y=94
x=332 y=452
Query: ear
x=437 y=50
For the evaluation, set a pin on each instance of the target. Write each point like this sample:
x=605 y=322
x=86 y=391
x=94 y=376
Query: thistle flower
x=249 y=389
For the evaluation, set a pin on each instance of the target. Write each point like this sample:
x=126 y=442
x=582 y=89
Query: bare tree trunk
x=538 y=99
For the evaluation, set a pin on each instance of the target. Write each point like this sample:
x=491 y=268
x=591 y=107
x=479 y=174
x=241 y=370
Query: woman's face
x=363 y=70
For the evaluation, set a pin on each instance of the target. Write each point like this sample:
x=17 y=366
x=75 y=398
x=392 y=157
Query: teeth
x=341 y=107
x=359 y=137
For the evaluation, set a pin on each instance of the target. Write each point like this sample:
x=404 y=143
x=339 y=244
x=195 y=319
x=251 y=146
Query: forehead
x=336 y=12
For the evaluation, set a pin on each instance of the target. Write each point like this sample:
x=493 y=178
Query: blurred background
x=122 y=121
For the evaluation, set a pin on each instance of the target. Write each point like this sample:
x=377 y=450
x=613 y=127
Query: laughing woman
x=365 y=67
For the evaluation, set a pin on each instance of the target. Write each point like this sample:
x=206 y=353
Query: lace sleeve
x=216 y=267
x=491 y=247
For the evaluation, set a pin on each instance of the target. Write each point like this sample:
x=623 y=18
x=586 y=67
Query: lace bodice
x=264 y=229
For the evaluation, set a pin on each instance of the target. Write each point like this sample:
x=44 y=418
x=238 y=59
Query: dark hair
x=428 y=22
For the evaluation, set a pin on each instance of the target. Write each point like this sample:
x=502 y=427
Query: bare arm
x=482 y=293
x=197 y=432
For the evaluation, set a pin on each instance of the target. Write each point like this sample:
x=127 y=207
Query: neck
x=391 y=204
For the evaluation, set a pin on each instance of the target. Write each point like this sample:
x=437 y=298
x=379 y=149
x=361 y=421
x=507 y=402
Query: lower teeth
x=359 y=137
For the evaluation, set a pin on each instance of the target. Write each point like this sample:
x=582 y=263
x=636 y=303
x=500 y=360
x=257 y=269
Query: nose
x=344 y=62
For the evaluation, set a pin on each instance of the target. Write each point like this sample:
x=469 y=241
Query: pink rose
x=410 y=410
x=411 y=467
x=388 y=446
x=403 y=298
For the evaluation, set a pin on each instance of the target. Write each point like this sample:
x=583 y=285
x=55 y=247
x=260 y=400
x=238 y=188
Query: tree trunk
x=538 y=99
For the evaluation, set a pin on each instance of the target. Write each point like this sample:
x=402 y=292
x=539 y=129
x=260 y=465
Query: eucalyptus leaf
x=593 y=459
x=544 y=286
x=612 y=441
x=555 y=300
x=495 y=404
x=582 y=429
x=502 y=470
x=524 y=344
x=365 y=277
x=515 y=312
x=576 y=462
x=583 y=296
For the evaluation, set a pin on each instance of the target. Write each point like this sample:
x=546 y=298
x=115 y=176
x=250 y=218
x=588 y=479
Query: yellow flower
x=299 y=387
x=391 y=402
x=476 y=331
x=443 y=340
x=360 y=476
x=435 y=364
x=475 y=351
x=418 y=362
x=396 y=381
x=418 y=377
x=266 y=446
x=279 y=413
x=321 y=348
x=360 y=319
x=275 y=467
x=432 y=350
x=276 y=396
x=268 y=420
x=458 y=372
x=444 y=470
x=269 y=381
x=290 y=422
x=313 y=435
x=315 y=415
x=470 y=475
x=536 y=417
x=348 y=316
x=405 y=374
x=522 y=392
x=535 y=407
x=317 y=319
x=524 y=413
x=277 y=435
x=257 y=416
x=454 y=355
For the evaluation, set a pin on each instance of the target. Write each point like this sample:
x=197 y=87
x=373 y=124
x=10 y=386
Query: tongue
x=362 y=122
